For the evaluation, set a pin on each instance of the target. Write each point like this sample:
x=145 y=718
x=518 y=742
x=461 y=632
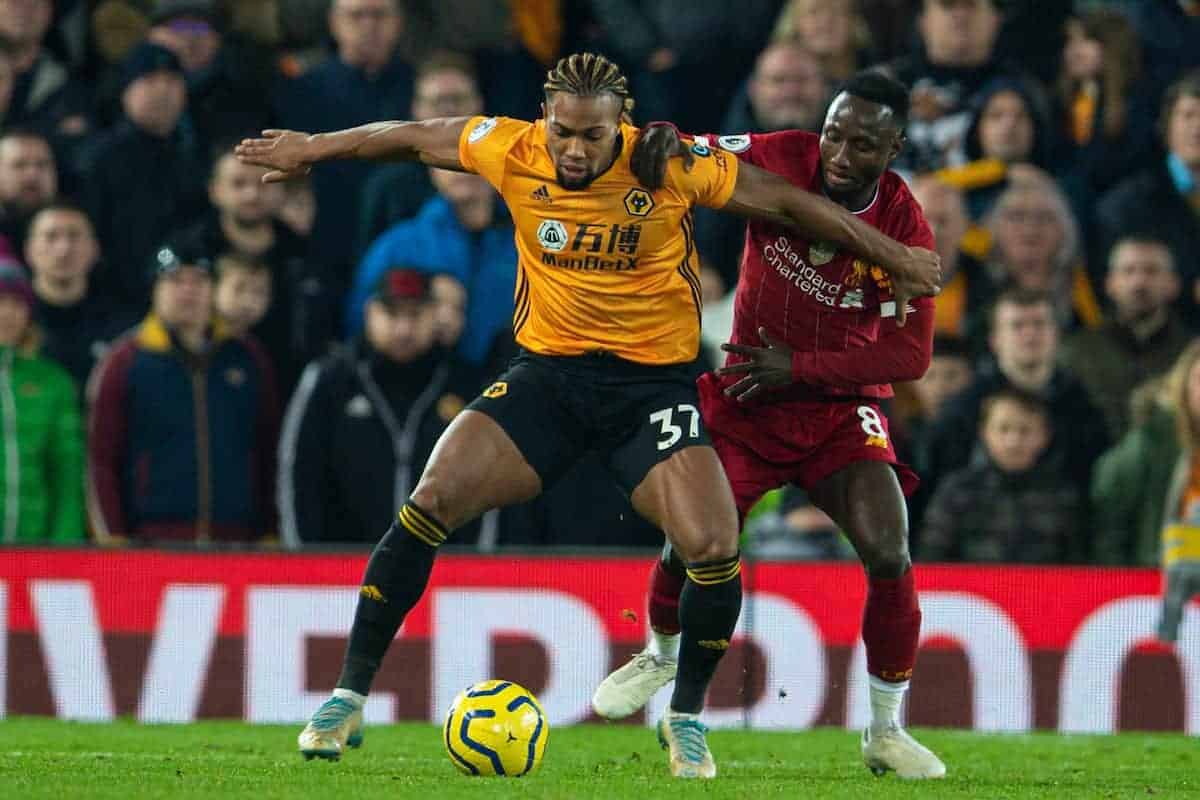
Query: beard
x=847 y=196
x=1139 y=310
x=574 y=184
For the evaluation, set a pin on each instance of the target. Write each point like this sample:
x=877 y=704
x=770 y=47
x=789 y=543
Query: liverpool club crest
x=821 y=253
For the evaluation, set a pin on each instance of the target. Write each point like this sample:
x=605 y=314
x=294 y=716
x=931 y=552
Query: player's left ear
x=542 y=106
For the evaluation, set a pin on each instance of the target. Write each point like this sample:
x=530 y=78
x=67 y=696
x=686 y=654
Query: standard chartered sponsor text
x=793 y=268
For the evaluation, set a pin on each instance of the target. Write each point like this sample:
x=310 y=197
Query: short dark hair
x=446 y=61
x=1022 y=297
x=1186 y=86
x=995 y=4
x=66 y=206
x=1140 y=237
x=224 y=146
x=229 y=261
x=24 y=132
x=1030 y=401
x=879 y=87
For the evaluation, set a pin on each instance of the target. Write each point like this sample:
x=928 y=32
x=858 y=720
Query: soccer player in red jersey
x=816 y=343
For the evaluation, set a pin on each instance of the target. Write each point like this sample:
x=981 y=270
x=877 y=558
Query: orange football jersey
x=608 y=268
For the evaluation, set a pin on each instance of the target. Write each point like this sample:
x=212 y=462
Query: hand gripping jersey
x=608 y=268
x=816 y=297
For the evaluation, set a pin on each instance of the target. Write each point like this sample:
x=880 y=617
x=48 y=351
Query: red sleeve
x=792 y=154
x=266 y=446
x=108 y=425
x=897 y=354
x=912 y=228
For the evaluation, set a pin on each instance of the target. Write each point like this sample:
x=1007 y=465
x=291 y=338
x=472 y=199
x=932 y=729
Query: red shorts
x=765 y=446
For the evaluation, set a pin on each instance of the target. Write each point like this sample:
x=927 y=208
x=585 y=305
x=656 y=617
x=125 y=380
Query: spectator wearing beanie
x=184 y=421
x=227 y=74
x=143 y=178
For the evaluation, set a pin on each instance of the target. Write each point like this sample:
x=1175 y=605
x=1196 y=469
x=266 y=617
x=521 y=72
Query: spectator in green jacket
x=41 y=467
x=1131 y=482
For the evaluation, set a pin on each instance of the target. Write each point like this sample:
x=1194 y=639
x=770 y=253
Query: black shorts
x=556 y=408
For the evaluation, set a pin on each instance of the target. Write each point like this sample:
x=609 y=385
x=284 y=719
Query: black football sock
x=708 y=614
x=395 y=579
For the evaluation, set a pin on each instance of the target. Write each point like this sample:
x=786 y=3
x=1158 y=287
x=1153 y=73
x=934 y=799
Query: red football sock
x=891 y=627
x=665 y=589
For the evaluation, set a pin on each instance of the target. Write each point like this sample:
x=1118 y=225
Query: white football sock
x=353 y=697
x=886 y=699
x=664 y=644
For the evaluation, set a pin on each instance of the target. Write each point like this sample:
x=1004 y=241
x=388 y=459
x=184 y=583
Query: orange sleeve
x=484 y=144
x=711 y=180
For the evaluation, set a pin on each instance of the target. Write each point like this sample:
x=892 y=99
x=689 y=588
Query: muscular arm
x=764 y=195
x=760 y=194
x=291 y=153
x=898 y=354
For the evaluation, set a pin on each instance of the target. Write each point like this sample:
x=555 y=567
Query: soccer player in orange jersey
x=607 y=316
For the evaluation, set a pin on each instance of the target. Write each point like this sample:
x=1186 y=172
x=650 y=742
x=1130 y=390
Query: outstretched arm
x=289 y=154
x=915 y=272
x=761 y=194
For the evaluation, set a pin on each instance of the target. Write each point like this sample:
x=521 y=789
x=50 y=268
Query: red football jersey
x=817 y=298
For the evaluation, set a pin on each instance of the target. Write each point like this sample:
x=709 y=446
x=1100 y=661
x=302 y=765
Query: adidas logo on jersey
x=542 y=193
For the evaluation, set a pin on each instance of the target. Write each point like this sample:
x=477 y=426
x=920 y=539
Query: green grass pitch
x=48 y=759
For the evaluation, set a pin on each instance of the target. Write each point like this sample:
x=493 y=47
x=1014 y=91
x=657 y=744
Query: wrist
x=315 y=145
x=895 y=258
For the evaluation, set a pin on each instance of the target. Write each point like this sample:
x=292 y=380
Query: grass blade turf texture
x=41 y=758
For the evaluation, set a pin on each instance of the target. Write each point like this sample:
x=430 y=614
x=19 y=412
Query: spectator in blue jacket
x=445 y=86
x=464 y=232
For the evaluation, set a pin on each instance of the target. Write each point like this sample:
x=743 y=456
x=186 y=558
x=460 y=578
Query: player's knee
x=713 y=546
x=433 y=496
x=887 y=557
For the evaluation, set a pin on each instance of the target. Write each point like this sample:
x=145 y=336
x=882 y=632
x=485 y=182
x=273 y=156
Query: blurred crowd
x=189 y=355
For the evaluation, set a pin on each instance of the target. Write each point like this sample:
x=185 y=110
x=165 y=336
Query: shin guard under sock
x=708 y=614
x=891 y=627
x=395 y=579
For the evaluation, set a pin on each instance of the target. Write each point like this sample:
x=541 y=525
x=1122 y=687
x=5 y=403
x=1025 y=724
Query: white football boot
x=338 y=724
x=630 y=687
x=683 y=736
x=892 y=748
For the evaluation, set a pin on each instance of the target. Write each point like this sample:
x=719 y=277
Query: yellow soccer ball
x=496 y=728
